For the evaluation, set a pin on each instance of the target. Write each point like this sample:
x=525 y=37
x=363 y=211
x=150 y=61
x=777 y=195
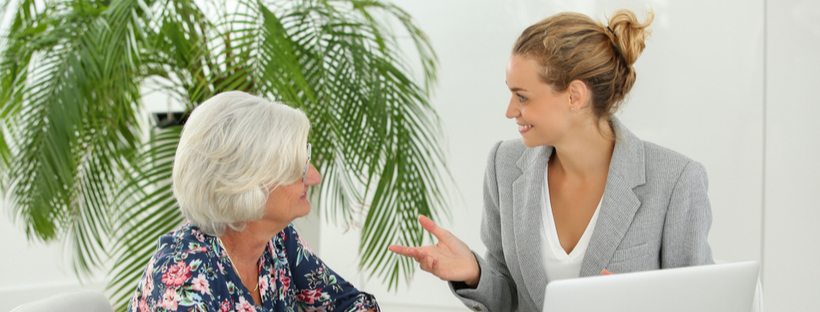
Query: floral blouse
x=191 y=272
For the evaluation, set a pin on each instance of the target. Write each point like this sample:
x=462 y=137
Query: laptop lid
x=726 y=287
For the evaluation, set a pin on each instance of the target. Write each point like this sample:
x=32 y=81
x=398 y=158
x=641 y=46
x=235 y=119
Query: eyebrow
x=514 y=89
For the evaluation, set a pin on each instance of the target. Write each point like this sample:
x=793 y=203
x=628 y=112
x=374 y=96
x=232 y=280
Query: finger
x=430 y=262
x=416 y=254
x=401 y=250
x=427 y=263
x=434 y=229
x=606 y=272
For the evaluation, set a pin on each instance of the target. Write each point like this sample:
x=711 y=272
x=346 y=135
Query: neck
x=587 y=154
x=246 y=247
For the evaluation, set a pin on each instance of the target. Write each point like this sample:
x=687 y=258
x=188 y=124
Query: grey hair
x=234 y=150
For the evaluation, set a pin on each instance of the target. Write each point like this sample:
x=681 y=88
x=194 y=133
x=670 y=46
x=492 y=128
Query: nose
x=313 y=177
x=512 y=109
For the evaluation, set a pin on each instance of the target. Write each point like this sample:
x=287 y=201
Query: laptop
x=726 y=287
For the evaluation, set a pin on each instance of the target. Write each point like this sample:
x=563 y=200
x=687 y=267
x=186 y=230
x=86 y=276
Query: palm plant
x=72 y=78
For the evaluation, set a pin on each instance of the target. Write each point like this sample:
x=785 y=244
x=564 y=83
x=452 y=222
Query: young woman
x=579 y=194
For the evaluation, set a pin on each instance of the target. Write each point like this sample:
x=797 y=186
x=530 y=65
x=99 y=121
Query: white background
x=732 y=83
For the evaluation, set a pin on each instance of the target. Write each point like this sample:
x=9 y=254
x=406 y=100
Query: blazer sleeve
x=496 y=289
x=688 y=220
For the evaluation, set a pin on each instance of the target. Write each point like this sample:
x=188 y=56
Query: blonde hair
x=234 y=149
x=572 y=46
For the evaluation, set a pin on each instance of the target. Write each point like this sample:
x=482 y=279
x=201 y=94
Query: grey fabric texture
x=80 y=301
x=655 y=214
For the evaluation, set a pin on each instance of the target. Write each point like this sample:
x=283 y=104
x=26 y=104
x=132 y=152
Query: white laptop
x=726 y=287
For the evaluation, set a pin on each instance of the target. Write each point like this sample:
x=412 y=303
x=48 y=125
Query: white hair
x=234 y=150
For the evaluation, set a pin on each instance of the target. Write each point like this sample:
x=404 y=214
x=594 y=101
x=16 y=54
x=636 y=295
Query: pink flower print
x=144 y=306
x=309 y=295
x=201 y=284
x=198 y=249
x=170 y=300
x=177 y=275
x=263 y=284
x=245 y=306
x=285 y=282
x=315 y=309
x=225 y=307
x=148 y=284
x=221 y=268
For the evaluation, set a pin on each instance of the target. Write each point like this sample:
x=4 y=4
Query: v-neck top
x=557 y=263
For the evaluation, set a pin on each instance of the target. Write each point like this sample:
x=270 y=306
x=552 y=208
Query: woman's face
x=542 y=115
x=288 y=202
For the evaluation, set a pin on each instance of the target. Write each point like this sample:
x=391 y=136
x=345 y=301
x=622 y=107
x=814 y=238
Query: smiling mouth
x=523 y=127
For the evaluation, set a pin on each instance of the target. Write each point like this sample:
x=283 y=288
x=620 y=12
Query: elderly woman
x=241 y=176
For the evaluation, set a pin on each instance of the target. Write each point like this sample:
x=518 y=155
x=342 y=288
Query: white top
x=557 y=263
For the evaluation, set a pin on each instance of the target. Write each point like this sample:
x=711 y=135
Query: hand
x=450 y=259
x=606 y=272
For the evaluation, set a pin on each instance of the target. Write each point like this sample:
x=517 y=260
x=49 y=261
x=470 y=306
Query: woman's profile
x=578 y=194
x=241 y=175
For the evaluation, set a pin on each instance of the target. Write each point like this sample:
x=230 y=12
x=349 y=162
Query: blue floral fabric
x=191 y=272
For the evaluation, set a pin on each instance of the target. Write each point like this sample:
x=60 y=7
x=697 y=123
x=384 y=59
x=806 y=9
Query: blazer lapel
x=619 y=203
x=527 y=190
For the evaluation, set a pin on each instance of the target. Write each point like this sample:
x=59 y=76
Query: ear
x=578 y=94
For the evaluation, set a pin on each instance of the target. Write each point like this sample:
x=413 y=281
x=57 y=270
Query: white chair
x=85 y=301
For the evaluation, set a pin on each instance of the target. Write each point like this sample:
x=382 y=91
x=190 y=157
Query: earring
x=573 y=108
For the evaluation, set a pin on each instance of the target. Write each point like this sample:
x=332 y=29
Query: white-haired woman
x=241 y=175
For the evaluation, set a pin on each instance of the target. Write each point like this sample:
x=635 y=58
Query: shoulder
x=186 y=240
x=662 y=158
x=186 y=249
x=184 y=271
x=508 y=151
x=663 y=165
x=655 y=161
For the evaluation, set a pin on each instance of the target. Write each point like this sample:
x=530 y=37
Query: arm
x=688 y=220
x=480 y=284
x=496 y=290
x=316 y=285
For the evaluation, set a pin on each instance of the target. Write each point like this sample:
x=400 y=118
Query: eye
x=521 y=98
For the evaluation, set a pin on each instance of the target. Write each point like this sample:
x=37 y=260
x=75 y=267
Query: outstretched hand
x=450 y=259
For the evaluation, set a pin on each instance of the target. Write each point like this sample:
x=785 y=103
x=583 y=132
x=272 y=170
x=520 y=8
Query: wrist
x=473 y=281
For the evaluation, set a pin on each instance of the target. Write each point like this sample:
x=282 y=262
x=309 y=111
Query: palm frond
x=70 y=77
x=74 y=120
x=371 y=123
x=147 y=209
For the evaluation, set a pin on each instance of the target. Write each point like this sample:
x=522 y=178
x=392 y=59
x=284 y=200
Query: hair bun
x=628 y=35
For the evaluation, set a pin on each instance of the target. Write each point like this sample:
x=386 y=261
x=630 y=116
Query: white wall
x=732 y=84
x=32 y=270
x=792 y=181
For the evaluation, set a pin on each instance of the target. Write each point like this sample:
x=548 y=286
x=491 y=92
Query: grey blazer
x=654 y=214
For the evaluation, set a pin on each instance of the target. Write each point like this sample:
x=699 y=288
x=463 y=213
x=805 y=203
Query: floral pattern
x=191 y=272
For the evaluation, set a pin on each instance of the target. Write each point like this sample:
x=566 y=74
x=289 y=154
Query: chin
x=304 y=211
x=532 y=143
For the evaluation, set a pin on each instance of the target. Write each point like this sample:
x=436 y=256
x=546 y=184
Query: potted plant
x=72 y=79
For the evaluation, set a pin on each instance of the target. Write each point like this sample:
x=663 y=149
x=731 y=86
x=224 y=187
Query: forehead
x=522 y=72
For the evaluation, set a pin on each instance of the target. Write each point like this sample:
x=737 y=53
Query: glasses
x=307 y=165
